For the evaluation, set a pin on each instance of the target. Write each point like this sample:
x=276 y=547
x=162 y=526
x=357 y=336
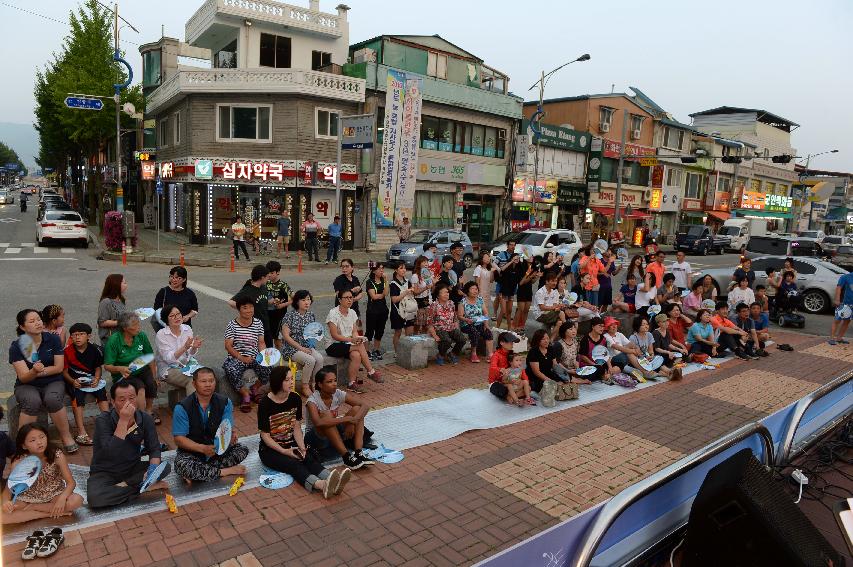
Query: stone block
x=413 y=353
x=341 y=369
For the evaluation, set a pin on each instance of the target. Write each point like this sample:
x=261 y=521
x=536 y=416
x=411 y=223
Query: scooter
x=23 y=204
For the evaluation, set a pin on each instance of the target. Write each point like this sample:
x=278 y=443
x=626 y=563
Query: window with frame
x=445 y=135
x=724 y=185
x=769 y=187
x=434 y=209
x=436 y=65
x=490 y=142
x=274 y=51
x=673 y=177
x=380 y=124
x=781 y=189
x=326 y=123
x=238 y=122
x=605 y=115
x=673 y=138
x=693 y=186
x=429 y=132
x=163 y=139
x=177 y=136
x=755 y=185
x=636 y=125
x=320 y=59
x=226 y=58
x=478 y=136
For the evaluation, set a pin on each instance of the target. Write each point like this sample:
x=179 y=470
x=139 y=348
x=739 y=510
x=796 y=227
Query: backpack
x=407 y=308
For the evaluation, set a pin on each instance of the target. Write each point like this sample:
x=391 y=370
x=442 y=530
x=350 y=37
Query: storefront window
x=222 y=209
x=434 y=209
x=429 y=133
x=491 y=141
x=445 y=135
x=459 y=137
x=477 y=140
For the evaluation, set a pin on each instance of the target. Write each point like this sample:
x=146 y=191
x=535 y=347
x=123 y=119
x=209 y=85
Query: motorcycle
x=23 y=204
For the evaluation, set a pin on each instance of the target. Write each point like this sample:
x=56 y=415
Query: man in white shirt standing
x=682 y=271
x=546 y=305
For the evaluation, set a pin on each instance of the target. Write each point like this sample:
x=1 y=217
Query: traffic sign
x=648 y=162
x=84 y=103
x=159 y=185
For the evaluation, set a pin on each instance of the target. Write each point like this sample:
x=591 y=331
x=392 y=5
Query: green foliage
x=8 y=155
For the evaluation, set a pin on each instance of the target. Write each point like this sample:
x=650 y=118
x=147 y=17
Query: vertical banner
x=389 y=172
x=404 y=202
x=593 y=170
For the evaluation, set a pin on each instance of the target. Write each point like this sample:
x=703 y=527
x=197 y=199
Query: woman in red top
x=678 y=324
x=311 y=232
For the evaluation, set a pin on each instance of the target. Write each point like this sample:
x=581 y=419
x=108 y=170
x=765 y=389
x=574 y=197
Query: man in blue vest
x=194 y=425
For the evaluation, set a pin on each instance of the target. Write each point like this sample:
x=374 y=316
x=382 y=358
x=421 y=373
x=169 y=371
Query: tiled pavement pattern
x=748 y=389
x=436 y=507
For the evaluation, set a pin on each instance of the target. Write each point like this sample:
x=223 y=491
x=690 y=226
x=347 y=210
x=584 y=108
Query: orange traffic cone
x=299 y=266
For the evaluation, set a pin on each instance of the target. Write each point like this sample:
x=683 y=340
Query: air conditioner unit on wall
x=604 y=127
x=635 y=135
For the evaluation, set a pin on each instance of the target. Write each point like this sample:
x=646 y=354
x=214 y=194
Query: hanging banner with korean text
x=404 y=202
x=391 y=140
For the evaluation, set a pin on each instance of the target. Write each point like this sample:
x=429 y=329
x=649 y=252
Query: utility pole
x=118 y=87
x=617 y=198
x=536 y=147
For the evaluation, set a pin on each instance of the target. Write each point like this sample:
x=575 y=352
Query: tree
x=85 y=66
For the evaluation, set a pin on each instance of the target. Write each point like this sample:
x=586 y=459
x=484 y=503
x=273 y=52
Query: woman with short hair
x=122 y=348
x=178 y=294
x=293 y=343
x=347 y=342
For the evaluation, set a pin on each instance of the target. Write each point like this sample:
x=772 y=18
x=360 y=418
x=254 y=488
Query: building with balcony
x=827 y=203
x=245 y=116
x=461 y=148
x=766 y=191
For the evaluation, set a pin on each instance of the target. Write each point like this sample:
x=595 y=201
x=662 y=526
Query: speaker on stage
x=743 y=518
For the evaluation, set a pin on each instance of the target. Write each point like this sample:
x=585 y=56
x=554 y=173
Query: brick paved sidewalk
x=459 y=501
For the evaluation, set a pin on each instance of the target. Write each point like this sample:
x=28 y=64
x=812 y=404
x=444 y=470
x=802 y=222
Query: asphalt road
x=73 y=278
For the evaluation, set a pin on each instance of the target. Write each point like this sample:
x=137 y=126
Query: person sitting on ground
x=741 y=293
x=194 y=424
x=348 y=343
x=628 y=292
x=516 y=382
x=731 y=336
x=122 y=348
x=709 y=290
x=282 y=446
x=566 y=354
x=664 y=346
x=443 y=326
x=692 y=302
x=586 y=309
x=244 y=339
x=760 y=322
x=547 y=308
x=39 y=385
x=623 y=352
x=754 y=345
x=328 y=425
x=588 y=343
x=121 y=436
x=83 y=360
x=470 y=308
x=540 y=361
x=700 y=336
x=52 y=495
x=176 y=347
x=669 y=292
x=294 y=346
x=499 y=364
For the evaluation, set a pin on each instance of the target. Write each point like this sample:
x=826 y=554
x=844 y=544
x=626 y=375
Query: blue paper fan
x=23 y=475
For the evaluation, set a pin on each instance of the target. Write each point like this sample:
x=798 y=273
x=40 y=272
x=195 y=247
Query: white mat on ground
x=399 y=427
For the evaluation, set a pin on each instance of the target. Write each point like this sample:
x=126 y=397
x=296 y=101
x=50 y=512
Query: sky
x=791 y=58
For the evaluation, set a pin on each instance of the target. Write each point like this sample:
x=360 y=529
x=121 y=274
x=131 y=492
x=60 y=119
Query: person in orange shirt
x=732 y=337
x=657 y=267
x=591 y=264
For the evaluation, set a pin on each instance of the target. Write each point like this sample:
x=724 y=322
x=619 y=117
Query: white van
x=741 y=229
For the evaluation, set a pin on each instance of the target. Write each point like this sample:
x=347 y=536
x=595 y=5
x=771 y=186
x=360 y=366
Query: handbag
x=699 y=357
x=155 y=321
x=622 y=379
x=566 y=391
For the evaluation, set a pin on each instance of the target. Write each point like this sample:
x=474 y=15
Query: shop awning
x=719 y=215
x=762 y=214
x=609 y=212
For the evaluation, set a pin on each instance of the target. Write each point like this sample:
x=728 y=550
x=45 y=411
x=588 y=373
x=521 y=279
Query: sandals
x=84 y=439
x=376 y=377
x=34 y=543
x=71 y=449
x=354 y=387
x=51 y=542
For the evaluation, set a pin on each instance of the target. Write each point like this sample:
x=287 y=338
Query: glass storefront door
x=478 y=218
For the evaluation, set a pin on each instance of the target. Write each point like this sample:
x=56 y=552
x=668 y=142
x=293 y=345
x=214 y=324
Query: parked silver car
x=832 y=242
x=409 y=250
x=816 y=279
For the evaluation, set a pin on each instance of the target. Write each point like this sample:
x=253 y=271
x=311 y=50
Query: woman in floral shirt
x=443 y=326
x=294 y=346
x=566 y=351
x=470 y=309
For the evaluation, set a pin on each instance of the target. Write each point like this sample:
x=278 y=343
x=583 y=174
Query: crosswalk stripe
x=28 y=244
x=40 y=250
x=68 y=250
x=13 y=250
x=4 y=244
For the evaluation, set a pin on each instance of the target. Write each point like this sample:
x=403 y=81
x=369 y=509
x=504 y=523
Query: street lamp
x=537 y=117
x=804 y=189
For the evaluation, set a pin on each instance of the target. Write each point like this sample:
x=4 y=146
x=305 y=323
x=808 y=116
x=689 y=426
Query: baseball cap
x=610 y=320
x=507 y=337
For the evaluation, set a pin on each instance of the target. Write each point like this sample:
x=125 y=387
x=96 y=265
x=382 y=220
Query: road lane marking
x=13 y=250
x=4 y=244
x=219 y=294
x=36 y=259
x=68 y=250
x=40 y=250
x=28 y=244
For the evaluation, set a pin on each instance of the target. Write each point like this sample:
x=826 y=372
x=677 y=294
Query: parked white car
x=539 y=241
x=62 y=226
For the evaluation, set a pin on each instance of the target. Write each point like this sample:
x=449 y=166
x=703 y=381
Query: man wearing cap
x=335 y=231
x=404 y=230
x=546 y=305
x=499 y=366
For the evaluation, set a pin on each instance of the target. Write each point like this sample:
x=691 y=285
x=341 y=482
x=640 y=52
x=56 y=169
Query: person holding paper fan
x=37 y=359
x=82 y=373
x=116 y=474
x=52 y=494
x=204 y=452
x=294 y=345
x=244 y=339
x=473 y=314
x=176 y=348
x=128 y=355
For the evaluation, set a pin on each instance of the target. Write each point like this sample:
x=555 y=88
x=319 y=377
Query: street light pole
x=617 y=198
x=537 y=117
